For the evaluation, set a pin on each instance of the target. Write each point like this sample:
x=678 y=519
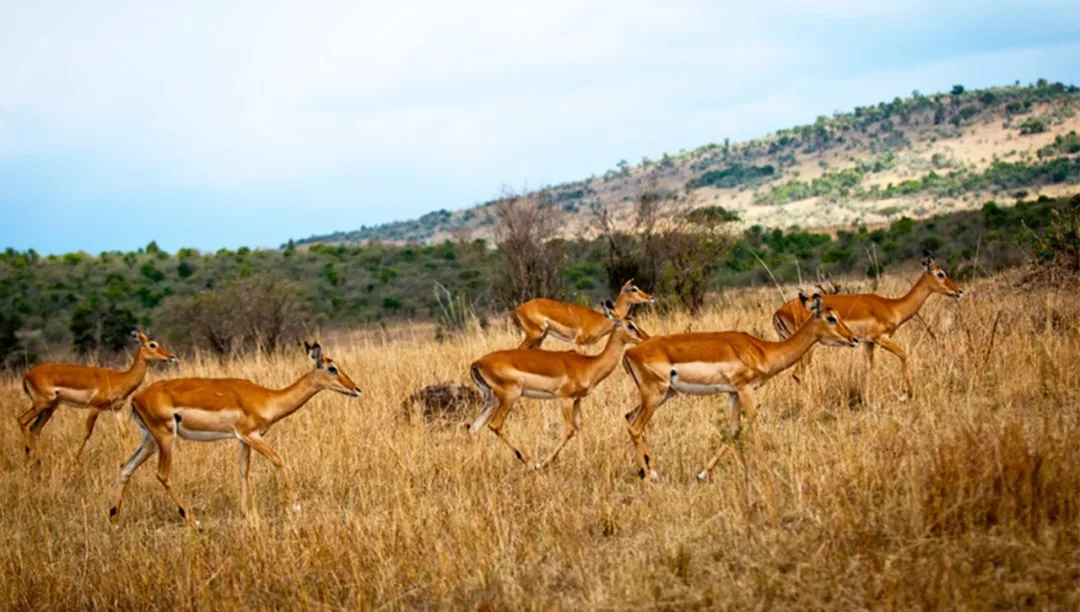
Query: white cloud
x=235 y=94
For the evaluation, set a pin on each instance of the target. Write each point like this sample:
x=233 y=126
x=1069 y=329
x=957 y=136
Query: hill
x=916 y=157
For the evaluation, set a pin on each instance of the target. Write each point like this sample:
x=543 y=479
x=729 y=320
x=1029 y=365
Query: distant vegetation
x=87 y=303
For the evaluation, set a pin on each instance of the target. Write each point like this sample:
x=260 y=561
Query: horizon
x=201 y=118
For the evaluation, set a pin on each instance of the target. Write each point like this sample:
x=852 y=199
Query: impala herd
x=207 y=409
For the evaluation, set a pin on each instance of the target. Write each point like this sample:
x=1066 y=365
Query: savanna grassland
x=967 y=495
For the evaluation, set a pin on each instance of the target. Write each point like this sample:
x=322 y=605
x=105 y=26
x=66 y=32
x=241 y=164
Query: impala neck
x=292 y=398
x=602 y=365
x=907 y=306
x=130 y=379
x=782 y=355
x=622 y=305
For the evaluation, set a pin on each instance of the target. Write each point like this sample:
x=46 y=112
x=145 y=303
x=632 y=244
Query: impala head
x=634 y=294
x=939 y=281
x=829 y=328
x=328 y=375
x=152 y=350
x=629 y=331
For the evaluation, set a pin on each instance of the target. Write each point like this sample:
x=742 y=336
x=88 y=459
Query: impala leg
x=166 y=444
x=895 y=349
x=498 y=419
x=244 y=462
x=91 y=419
x=577 y=425
x=869 y=352
x=734 y=422
x=652 y=397
x=34 y=422
x=146 y=448
x=27 y=417
x=256 y=441
x=569 y=412
x=534 y=336
x=121 y=424
x=747 y=401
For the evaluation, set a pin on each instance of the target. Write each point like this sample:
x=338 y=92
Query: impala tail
x=489 y=401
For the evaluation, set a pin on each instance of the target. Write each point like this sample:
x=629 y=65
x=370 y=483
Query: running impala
x=582 y=326
x=96 y=389
x=719 y=362
x=208 y=409
x=872 y=317
x=504 y=376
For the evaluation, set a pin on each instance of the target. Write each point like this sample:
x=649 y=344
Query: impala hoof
x=296 y=508
x=538 y=467
x=703 y=476
x=653 y=476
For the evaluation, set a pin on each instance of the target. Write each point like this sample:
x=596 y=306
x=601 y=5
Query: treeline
x=237 y=300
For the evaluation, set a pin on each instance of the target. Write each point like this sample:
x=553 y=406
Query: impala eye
x=941 y=275
x=831 y=319
x=633 y=289
x=153 y=345
x=332 y=370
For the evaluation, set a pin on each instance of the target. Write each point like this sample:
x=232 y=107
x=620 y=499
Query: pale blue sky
x=213 y=125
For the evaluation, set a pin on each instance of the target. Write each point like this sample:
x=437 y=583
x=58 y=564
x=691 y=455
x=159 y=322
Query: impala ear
x=608 y=307
x=927 y=260
x=816 y=305
x=805 y=301
x=315 y=352
x=138 y=335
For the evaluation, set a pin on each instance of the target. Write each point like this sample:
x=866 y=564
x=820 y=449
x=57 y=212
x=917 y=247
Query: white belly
x=699 y=388
x=538 y=394
x=694 y=389
x=205 y=425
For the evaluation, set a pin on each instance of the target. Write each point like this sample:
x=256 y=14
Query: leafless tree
x=530 y=260
x=667 y=245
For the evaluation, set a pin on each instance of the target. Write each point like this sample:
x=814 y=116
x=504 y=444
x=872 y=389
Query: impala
x=582 y=326
x=872 y=317
x=568 y=376
x=207 y=409
x=719 y=362
x=97 y=389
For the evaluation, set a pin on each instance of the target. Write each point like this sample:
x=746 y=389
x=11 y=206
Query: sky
x=211 y=124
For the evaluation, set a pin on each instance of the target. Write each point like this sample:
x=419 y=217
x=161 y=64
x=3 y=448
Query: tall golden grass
x=967 y=495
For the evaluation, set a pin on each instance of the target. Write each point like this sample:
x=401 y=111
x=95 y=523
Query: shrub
x=1034 y=125
x=258 y=312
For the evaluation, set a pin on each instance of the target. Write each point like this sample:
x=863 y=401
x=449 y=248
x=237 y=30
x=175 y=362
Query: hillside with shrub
x=916 y=156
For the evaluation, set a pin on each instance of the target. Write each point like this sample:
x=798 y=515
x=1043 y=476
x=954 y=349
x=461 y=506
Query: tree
x=97 y=324
x=957 y=90
x=10 y=345
x=530 y=261
x=669 y=247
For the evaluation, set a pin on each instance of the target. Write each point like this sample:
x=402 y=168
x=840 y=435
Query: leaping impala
x=582 y=326
x=97 y=389
x=568 y=376
x=719 y=362
x=207 y=409
x=872 y=317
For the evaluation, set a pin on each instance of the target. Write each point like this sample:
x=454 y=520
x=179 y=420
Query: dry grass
x=967 y=496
